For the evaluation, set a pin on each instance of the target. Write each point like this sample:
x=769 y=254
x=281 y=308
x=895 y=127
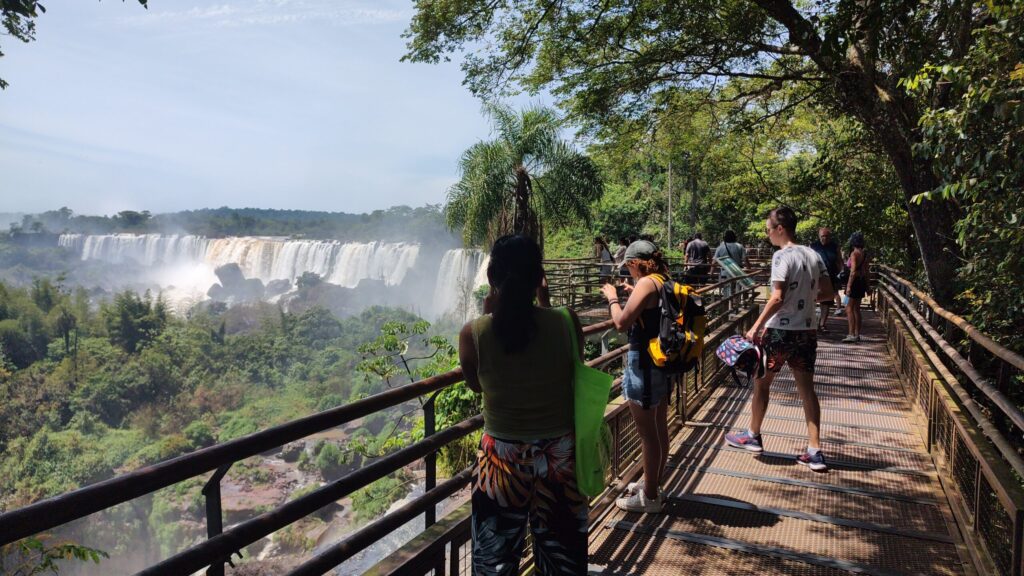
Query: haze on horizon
x=288 y=104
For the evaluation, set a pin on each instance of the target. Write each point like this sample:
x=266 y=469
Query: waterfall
x=266 y=258
x=186 y=262
x=461 y=272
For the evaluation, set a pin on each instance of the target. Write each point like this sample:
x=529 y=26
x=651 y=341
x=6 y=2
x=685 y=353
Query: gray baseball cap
x=641 y=249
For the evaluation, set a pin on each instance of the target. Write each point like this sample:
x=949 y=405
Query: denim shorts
x=633 y=381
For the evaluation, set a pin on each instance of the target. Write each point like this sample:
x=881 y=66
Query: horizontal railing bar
x=244 y=533
x=372 y=532
x=981 y=420
x=64 y=508
x=1002 y=482
x=1005 y=405
x=999 y=351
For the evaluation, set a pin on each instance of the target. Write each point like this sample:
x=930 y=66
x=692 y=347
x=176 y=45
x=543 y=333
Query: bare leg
x=855 y=316
x=650 y=446
x=850 y=320
x=661 y=419
x=812 y=410
x=759 y=403
x=826 y=307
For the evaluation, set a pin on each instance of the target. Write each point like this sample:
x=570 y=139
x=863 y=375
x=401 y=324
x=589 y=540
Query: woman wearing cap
x=856 y=286
x=645 y=387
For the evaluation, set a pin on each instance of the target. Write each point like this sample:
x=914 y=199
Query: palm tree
x=523 y=178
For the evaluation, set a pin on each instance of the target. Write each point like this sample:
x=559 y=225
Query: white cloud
x=270 y=13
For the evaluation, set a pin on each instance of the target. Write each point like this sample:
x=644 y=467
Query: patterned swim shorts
x=799 y=348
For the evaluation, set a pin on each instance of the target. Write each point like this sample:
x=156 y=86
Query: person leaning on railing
x=518 y=355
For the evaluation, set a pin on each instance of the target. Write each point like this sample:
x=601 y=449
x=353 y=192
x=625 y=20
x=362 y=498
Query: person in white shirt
x=786 y=330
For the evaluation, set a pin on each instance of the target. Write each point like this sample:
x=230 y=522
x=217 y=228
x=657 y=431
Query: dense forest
x=87 y=392
x=396 y=224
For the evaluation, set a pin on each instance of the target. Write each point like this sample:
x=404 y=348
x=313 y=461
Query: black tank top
x=645 y=328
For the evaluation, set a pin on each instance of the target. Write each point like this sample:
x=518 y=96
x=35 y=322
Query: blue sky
x=298 y=104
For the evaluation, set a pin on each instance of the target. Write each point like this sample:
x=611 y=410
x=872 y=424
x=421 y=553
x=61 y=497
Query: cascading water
x=264 y=258
x=186 y=262
x=461 y=272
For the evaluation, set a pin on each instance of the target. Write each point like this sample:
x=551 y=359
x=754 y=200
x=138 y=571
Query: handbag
x=593 y=439
x=742 y=357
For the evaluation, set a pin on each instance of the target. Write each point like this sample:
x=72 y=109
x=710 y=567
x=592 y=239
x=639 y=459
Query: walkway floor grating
x=879 y=510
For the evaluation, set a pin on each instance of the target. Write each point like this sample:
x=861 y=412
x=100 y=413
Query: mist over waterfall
x=183 y=266
x=461 y=272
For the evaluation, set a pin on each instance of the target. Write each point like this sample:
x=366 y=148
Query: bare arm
x=625 y=316
x=770 y=308
x=468 y=357
x=856 y=265
x=826 y=292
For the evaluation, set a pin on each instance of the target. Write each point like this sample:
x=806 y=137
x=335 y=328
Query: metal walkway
x=879 y=510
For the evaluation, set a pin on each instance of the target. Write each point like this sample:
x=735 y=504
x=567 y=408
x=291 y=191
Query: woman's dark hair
x=729 y=236
x=857 y=240
x=515 y=270
x=599 y=240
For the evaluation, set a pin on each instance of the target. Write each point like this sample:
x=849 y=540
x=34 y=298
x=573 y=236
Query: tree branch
x=801 y=32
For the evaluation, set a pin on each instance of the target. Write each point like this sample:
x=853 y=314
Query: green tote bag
x=593 y=440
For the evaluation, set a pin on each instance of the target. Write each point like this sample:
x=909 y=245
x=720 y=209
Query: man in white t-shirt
x=786 y=331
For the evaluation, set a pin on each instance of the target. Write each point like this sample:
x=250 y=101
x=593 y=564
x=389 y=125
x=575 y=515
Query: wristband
x=614 y=301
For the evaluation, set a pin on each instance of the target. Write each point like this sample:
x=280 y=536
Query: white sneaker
x=639 y=502
x=850 y=338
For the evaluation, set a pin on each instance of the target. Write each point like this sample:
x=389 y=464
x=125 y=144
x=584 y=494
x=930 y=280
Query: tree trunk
x=892 y=118
x=520 y=222
x=933 y=222
x=525 y=221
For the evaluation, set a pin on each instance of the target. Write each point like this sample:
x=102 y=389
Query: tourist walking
x=517 y=355
x=697 y=252
x=644 y=386
x=603 y=254
x=735 y=251
x=828 y=249
x=620 y=251
x=786 y=331
x=856 y=285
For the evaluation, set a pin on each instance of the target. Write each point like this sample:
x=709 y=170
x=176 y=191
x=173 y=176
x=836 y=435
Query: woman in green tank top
x=519 y=356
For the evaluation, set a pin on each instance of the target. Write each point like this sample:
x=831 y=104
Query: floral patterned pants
x=528 y=483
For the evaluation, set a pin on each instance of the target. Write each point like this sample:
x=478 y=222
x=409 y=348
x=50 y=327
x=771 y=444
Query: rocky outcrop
x=234 y=287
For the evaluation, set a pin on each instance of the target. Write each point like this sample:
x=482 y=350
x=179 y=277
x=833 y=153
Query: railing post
x=430 y=460
x=616 y=446
x=214 y=519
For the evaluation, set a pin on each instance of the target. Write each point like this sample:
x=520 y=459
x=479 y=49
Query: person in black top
x=645 y=387
x=828 y=250
x=697 y=257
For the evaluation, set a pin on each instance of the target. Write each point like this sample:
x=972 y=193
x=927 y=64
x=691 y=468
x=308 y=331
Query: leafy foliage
x=977 y=142
x=37 y=555
x=525 y=177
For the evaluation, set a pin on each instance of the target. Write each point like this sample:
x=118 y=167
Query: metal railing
x=972 y=428
x=221 y=544
x=444 y=550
